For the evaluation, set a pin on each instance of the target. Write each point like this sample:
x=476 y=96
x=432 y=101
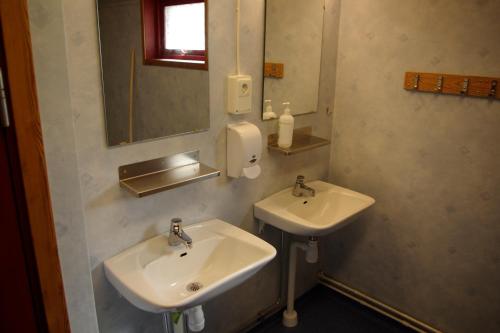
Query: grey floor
x=323 y=310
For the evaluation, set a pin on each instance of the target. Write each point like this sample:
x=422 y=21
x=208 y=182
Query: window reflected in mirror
x=166 y=94
x=174 y=33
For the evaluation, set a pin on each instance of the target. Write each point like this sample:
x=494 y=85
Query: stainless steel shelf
x=302 y=141
x=162 y=174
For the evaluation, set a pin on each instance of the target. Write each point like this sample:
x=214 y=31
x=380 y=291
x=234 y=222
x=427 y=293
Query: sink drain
x=194 y=286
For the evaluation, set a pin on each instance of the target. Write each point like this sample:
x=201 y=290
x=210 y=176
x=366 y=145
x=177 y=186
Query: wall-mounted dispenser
x=244 y=150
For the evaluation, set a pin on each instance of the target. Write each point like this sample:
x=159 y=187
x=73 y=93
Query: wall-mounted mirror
x=154 y=60
x=292 y=57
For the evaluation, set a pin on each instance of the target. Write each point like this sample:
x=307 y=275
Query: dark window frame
x=153 y=25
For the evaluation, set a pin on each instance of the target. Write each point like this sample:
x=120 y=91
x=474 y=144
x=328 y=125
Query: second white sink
x=331 y=208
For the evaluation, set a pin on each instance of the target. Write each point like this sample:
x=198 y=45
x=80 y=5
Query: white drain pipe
x=196 y=318
x=311 y=249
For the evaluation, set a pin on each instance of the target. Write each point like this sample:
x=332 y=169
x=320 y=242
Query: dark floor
x=323 y=310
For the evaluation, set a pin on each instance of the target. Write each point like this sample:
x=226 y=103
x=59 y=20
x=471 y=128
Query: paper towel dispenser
x=244 y=150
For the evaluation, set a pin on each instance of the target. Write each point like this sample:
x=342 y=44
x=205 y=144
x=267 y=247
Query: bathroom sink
x=331 y=208
x=157 y=277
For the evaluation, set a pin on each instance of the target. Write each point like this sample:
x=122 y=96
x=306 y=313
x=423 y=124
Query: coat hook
x=493 y=89
x=416 y=80
x=465 y=87
x=439 y=84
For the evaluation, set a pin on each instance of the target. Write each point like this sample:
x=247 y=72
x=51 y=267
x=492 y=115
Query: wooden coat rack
x=473 y=86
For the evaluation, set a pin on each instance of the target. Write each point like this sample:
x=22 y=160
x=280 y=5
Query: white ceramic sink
x=155 y=277
x=331 y=208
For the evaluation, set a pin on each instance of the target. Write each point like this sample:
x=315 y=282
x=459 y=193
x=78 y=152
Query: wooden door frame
x=25 y=123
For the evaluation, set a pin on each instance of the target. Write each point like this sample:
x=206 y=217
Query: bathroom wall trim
x=376 y=305
x=34 y=190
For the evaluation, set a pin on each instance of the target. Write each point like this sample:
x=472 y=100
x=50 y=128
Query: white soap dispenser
x=286 y=123
x=268 y=111
x=244 y=150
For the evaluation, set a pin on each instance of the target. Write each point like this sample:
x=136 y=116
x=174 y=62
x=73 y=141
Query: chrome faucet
x=177 y=234
x=300 y=189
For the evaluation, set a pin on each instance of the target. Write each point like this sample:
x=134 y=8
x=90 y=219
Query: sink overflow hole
x=194 y=286
x=183 y=254
x=305 y=202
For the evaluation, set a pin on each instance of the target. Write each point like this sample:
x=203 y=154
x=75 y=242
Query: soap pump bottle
x=286 y=122
x=268 y=111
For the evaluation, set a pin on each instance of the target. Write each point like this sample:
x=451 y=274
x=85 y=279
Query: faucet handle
x=175 y=225
x=176 y=220
x=300 y=179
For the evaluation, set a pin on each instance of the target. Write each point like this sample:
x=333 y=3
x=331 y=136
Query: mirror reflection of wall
x=144 y=102
x=293 y=45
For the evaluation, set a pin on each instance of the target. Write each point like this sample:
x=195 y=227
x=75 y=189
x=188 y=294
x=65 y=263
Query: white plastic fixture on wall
x=239 y=87
x=244 y=150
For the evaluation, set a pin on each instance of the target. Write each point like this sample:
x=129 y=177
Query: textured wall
x=429 y=246
x=167 y=100
x=294 y=35
x=113 y=219
x=48 y=41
